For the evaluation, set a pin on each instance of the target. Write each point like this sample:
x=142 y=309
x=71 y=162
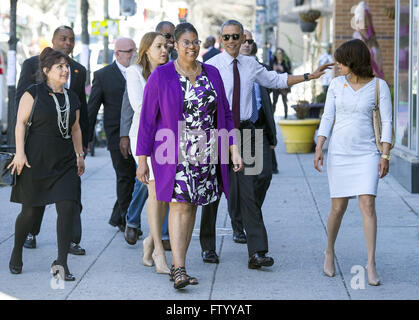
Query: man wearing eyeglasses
x=108 y=88
x=239 y=73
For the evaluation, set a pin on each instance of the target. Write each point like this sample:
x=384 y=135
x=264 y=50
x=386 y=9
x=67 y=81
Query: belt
x=246 y=123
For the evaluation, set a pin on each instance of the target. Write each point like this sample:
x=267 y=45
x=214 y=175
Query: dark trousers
x=263 y=180
x=125 y=170
x=244 y=204
x=207 y=234
x=76 y=225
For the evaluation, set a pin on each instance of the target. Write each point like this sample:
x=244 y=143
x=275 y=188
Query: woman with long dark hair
x=354 y=164
x=282 y=64
x=49 y=164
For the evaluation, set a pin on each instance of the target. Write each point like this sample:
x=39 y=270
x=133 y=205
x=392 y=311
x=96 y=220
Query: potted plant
x=298 y=134
x=317 y=106
x=308 y=20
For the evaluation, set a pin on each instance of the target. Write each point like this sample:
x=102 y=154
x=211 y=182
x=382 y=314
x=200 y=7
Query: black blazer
x=77 y=85
x=266 y=119
x=108 y=89
x=210 y=53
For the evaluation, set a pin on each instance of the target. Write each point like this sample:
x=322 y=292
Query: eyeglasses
x=127 y=51
x=250 y=41
x=226 y=37
x=186 y=43
x=167 y=35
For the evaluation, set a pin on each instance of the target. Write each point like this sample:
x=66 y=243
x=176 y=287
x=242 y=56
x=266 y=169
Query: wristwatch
x=386 y=156
x=80 y=154
x=306 y=76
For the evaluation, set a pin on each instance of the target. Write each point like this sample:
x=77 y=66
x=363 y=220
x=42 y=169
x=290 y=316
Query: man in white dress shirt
x=239 y=73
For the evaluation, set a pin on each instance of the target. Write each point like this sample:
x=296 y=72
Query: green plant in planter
x=310 y=16
x=321 y=98
x=301 y=108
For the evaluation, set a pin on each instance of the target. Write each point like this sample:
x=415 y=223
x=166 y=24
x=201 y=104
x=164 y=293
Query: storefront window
x=415 y=60
x=403 y=117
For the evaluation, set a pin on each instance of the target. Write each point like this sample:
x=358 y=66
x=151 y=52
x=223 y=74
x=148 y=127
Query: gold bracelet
x=386 y=156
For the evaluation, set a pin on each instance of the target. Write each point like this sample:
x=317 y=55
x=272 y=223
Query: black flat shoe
x=76 y=249
x=239 y=237
x=15 y=269
x=259 y=260
x=210 y=256
x=56 y=268
x=30 y=241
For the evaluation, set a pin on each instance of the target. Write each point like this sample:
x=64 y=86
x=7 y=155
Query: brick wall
x=384 y=29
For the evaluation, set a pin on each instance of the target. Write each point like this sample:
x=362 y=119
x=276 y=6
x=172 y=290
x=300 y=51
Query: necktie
x=236 y=95
x=255 y=110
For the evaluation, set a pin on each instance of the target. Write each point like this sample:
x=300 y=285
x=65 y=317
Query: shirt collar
x=121 y=67
x=229 y=59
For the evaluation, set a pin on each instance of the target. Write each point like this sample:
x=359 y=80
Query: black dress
x=53 y=173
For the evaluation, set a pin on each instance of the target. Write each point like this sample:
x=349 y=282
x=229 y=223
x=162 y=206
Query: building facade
x=405 y=156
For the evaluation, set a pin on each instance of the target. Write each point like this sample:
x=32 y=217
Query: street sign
x=108 y=27
x=71 y=10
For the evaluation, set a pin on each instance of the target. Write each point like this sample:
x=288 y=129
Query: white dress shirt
x=67 y=84
x=250 y=71
x=122 y=69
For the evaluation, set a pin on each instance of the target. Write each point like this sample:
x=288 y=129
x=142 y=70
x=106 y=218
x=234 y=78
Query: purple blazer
x=161 y=110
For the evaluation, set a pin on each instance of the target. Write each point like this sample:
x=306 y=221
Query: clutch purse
x=6 y=176
x=376 y=119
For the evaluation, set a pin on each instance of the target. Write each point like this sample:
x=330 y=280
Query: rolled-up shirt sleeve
x=269 y=79
x=328 y=116
x=386 y=113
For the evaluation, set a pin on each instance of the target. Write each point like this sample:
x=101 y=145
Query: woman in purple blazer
x=185 y=124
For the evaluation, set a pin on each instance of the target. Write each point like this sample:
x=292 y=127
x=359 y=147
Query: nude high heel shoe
x=148 y=247
x=161 y=264
x=328 y=272
x=373 y=279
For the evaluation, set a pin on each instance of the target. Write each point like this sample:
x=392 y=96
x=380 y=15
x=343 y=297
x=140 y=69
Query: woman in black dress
x=282 y=64
x=49 y=164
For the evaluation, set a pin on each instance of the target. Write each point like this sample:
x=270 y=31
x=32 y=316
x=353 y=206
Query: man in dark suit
x=108 y=89
x=209 y=44
x=62 y=40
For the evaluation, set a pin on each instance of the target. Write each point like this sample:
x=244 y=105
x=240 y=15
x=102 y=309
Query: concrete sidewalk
x=295 y=214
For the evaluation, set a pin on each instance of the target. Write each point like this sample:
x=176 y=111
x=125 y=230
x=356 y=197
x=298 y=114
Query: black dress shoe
x=131 y=235
x=210 y=256
x=121 y=226
x=239 y=237
x=166 y=245
x=76 y=249
x=30 y=241
x=55 y=270
x=275 y=171
x=260 y=260
x=139 y=233
x=15 y=269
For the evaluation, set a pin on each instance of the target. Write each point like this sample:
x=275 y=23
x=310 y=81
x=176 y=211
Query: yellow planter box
x=298 y=134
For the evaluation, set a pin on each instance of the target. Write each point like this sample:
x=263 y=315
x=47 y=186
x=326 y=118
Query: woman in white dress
x=152 y=53
x=354 y=163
